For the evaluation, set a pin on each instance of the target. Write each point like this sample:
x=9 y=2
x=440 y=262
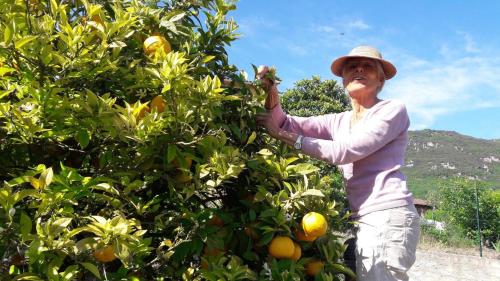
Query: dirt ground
x=442 y=264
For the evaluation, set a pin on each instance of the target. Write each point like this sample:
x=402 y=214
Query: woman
x=368 y=143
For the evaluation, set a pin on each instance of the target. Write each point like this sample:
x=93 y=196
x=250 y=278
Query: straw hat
x=364 y=52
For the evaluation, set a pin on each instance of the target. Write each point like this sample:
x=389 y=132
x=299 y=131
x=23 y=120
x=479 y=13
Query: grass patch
x=430 y=243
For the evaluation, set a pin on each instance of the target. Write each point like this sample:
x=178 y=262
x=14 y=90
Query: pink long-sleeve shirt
x=370 y=154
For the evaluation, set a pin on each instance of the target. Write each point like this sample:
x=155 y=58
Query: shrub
x=186 y=187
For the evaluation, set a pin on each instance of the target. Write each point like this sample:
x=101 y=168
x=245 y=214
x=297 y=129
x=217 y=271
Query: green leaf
x=107 y=188
x=182 y=251
x=19 y=44
x=53 y=268
x=7 y=35
x=92 y=268
x=208 y=58
x=53 y=7
x=14 y=270
x=266 y=238
x=339 y=268
x=28 y=277
x=83 y=138
x=99 y=219
x=303 y=168
x=265 y=152
x=5 y=93
x=177 y=17
x=75 y=231
x=46 y=178
x=251 y=138
x=35 y=183
x=26 y=225
x=251 y=256
x=5 y=198
x=4 y=70
x=171 y=153
x=117 y=44
x=85 y=244
x=18 y=196
x=313 y=192
x=70 y=272
x=59 y=225
x=252 y=215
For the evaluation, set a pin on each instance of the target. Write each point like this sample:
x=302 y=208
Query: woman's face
x=360 y=76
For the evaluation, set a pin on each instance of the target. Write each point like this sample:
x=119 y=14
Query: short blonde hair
x=381 y=75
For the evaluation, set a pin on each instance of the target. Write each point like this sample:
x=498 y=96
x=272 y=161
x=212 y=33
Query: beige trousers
x=386 y=244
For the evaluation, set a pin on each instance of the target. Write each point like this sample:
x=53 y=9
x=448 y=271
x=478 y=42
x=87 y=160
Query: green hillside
x=433 y=156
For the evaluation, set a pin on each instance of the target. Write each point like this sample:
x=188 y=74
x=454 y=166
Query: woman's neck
x=359 y=106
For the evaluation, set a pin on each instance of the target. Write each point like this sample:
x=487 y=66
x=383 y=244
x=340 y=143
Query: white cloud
x=324 y=28
x=297 y=49
x=341 y=33
x=358 y=24
x=431 y=89
x=470 y=44
x=341 y=27
x=455 y=48
x=252 y=26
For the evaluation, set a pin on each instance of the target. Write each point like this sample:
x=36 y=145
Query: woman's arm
x=320 y=127
x=382 y=127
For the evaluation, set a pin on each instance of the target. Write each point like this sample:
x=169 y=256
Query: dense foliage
x=314 y=96
x=124 y=161
x=457 y=208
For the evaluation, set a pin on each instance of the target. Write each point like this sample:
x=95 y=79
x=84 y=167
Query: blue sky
x=447 y=52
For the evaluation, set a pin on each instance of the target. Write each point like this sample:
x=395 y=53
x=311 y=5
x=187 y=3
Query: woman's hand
x=265 y=119
x=266 y=75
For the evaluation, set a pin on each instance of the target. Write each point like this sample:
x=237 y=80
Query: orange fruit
x=142 y=112
x=97 y=19
x=301 y=236
x=314 y=267
x=204 y=264
x=250 y=232
x=281 y=247
x=97 y=22
x=188 y=160
x=314 y=224
x=183 y=177
x=212 y=251
x=155 y=42
x=105 y=254
x=297 y=252
x=158 y=103
x=250 y=198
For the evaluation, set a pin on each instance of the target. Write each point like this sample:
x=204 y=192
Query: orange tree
x=129 y=151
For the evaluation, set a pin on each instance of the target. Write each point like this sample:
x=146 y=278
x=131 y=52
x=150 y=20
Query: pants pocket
x=401 y=244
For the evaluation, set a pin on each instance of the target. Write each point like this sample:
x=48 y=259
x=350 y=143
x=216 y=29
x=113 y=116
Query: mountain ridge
x=436 y=155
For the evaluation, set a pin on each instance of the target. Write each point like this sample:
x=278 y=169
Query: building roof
x=421 y=202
